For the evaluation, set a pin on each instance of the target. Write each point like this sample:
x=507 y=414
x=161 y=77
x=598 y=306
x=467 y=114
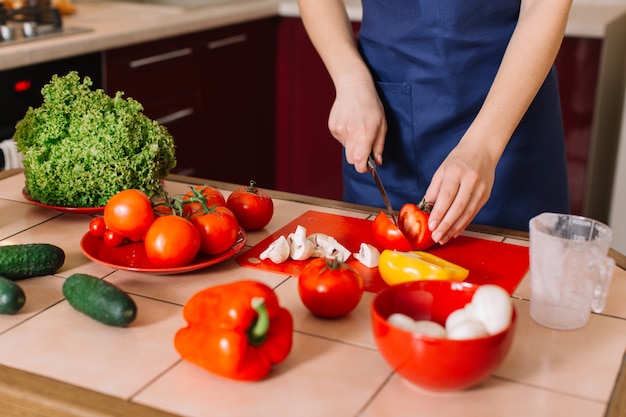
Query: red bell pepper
x=236 y=330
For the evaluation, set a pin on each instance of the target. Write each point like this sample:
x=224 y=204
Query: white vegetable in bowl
x=425 y=327
x=492 y=306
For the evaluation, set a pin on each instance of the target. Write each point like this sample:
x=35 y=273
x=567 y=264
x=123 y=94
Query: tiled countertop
x=59 y=361
x=118 y=23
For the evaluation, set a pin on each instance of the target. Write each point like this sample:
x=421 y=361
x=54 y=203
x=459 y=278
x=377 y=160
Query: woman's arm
x=357 y=117
x=463 y=182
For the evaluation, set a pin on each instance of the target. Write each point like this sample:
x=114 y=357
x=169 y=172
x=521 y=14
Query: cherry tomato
x=112 y=239
x=388 y=235
x=413 y=222
x=252 y=207
x=218 y=229
x=129 y=213
x=171 y=241
x=97 y=227
x=212 y=195
x=329 y=288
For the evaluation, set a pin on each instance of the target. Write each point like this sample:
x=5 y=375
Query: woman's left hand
x=459 y=188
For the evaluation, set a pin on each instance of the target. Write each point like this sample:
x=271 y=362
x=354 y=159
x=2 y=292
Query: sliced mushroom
x=300 y=248
x=277 y=251
x=328 y=247
x=368 y=255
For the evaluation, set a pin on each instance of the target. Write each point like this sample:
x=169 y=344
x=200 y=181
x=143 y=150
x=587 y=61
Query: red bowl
x=435 y=364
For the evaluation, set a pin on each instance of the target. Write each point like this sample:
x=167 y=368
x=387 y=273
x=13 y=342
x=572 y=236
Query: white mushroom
x=277 y=251
x=328 y=247
x=300 y=248
x=368 y=255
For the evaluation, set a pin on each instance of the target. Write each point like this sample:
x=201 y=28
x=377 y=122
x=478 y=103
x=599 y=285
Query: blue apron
x=433 y=62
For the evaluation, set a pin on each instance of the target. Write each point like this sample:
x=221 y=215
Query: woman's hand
x=357 y=121
x=460 y=188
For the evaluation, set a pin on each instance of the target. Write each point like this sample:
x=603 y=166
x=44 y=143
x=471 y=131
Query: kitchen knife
x=372 y=166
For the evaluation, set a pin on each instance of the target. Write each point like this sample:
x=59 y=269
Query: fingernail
x=437 y=237
x=432 y=225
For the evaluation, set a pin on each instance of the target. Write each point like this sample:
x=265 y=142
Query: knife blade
x=372 y=166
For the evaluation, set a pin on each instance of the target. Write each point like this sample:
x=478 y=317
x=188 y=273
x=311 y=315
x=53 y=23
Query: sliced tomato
x=413 y=223
x=388 y=235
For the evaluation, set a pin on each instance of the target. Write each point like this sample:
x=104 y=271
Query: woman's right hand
x=357 y=121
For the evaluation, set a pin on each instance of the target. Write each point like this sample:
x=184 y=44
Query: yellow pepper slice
x=396 y=267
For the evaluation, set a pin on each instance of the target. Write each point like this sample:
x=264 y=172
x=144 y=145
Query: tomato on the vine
x=329 y=288
x=171 y=241
x=112 y=238
x=218 y=229
x=413 y=222
x=252 y=207
x=388 y=236
x=212 y=195
x=97 y=227
x=129 y=213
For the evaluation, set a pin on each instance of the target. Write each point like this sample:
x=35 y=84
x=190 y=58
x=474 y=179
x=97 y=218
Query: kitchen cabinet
x=214 y=92
x=308 y=157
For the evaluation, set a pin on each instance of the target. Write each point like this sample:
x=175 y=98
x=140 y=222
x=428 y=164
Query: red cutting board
x=488 y=262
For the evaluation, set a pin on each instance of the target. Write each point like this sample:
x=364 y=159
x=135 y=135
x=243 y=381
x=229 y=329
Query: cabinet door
x=237 y=81
x=162 y=76
x=309 y=158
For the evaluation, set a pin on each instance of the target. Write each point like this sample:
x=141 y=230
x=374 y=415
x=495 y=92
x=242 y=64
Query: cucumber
x=100 y=300
x=12 y=296
x=30 y=260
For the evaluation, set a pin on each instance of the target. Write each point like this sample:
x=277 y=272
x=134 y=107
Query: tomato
x=162 y=206
x=252 y=207
x=97 y=227
x=129 y=213
x=330 y=288
x=112 y=239
x=388 y=235
x=413 y=222
x=171 y=241
x=192 y=201
x=218 y=229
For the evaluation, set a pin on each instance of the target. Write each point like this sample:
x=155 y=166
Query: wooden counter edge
x=25 y=394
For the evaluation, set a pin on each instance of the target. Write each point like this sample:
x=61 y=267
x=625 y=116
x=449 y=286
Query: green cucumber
x=12 y=296
x=100 y=300
x=30 y=260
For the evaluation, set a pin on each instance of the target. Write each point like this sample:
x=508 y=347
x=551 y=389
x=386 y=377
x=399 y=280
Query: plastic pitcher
x=570 y=272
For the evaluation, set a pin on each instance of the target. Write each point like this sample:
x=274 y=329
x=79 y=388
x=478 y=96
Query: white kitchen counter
x=116 y=23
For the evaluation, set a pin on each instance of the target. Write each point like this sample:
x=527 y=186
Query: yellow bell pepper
x=396 y=267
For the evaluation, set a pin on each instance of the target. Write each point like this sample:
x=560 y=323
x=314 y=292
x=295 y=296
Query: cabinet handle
x=177 y=115
x=220 y=43
x=160 y=58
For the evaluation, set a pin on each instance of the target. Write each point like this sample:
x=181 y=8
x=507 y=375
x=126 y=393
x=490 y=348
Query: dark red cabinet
x=214 y=91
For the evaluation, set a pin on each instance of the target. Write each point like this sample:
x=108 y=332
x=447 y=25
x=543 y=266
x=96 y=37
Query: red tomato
x=330 y=288
x=171 y=241
x=252 y=207
x=162 y=206
x=97 y=227
x=388 y=235
x=413 y=222
x=112 y=239
x=218 y=229
x=192 y=201
x=129 y=213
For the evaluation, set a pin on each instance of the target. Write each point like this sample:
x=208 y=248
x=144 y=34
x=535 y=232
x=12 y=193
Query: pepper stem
x=257 y=332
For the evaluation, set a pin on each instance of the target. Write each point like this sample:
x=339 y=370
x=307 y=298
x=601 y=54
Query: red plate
x=132 y=256
x=62 y=209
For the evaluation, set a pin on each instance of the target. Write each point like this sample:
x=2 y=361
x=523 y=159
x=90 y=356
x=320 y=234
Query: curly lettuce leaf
x=81 y=146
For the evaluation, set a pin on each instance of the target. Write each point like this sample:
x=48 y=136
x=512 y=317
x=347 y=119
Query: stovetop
x=31 y=24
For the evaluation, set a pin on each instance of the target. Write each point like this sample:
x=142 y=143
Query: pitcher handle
x=604 y=266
